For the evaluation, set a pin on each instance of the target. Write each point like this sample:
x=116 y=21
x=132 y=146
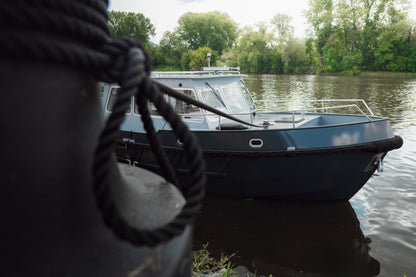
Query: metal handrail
x=329 y=108
x=322 y=101
x=293 y=112
x=212 y=114
x=161 y=74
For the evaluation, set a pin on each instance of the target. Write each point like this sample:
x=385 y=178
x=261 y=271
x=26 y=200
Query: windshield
x=235 y=98
x=212 y=99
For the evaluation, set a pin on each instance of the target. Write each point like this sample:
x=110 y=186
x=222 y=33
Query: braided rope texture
x=75 y=33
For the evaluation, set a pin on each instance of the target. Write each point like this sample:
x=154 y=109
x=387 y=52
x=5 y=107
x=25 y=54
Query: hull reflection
x=286 y=238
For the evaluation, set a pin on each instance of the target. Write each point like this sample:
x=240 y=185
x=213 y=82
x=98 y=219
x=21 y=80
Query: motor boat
x=325 y=151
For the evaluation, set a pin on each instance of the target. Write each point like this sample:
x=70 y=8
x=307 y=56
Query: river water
x=294 y=238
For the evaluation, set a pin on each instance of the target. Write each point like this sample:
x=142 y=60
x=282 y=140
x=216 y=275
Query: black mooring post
x=50 y=120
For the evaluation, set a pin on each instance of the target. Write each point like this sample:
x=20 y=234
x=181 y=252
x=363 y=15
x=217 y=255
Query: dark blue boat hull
x=314 y=174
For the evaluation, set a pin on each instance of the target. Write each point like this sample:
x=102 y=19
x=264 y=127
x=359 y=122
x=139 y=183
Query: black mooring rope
x=134 y=79
x=74 y=33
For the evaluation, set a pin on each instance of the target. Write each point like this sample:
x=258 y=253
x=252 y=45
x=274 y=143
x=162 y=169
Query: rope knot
x=118 y=52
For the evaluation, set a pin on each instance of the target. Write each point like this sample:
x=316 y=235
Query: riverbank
x=362 y=74
x=387 y=74
x=205 y=265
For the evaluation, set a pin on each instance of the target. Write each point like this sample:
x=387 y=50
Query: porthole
x=256 y=143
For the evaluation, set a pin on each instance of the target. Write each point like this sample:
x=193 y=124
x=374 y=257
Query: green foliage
x=332 y=55
x=228 y=58
x=203 y=263
x=256 y=51
x=281 y=23
x=215 y=30
x=355 y=35
x=172 y=48
x=294 y=57
x=132 y=25
x=194 y=60
x=351 y=63
x=347 y=36
x=227 y=272
x=313 y=57
x=396 y=50
x=320 y=16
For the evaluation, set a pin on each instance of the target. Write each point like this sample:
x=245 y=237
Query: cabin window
x=182 y=107
x=235 y=99
x=112 y=99
x=213 y=99
x=150 y=106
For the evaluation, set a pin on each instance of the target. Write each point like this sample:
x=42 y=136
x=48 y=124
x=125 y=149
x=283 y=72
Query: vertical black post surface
x=50 y=119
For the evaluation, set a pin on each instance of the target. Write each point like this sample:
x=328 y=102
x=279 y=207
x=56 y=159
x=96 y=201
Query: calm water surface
x=327 y=239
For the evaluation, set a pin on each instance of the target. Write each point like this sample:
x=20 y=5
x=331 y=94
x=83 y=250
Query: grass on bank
x=203 y=263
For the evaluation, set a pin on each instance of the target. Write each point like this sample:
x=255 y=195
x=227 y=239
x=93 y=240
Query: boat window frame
x=108 y=100
x=252 y=105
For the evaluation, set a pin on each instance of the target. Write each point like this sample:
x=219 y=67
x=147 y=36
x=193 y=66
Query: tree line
x=345 y=36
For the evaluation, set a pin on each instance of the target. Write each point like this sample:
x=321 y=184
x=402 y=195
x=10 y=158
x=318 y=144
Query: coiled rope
x=75 y=33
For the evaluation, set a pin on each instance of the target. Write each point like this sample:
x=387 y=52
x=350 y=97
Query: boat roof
x=205 y=72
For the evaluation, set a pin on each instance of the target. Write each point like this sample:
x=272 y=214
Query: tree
x=320 y=16
x=229 y=57
x=294 y=56
x=282 y=25
x=396 y=50
x=172 y=48
x=215 y=30
x=352 y=35
x=251 y=46
x=257 y=51
x=313 y=57
x=132 y=25
x=196 y=59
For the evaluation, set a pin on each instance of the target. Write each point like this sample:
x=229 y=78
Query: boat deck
x=286 y=121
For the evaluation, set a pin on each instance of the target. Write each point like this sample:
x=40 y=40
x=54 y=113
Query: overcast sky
x=164 y=14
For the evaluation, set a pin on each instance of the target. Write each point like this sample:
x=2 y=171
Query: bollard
x=67 y=208
x=50 y=122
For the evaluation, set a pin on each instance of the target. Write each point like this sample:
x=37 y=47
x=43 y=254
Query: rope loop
x=135 y=81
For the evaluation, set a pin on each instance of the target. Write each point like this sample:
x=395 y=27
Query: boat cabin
x=225 y=91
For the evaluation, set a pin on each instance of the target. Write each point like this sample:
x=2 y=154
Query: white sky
x=164 y=14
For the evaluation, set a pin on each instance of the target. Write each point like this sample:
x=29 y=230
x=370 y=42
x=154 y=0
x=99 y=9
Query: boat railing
x=187 y=116
x=204 y=71
x=324 y=104
x=293 y=112
x=327 y=108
